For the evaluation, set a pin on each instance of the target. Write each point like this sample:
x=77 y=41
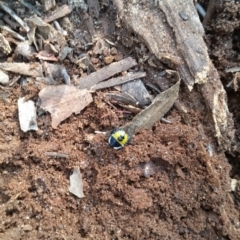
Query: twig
x=11 y=32
x=30 y=6
x=118 y=80
x=12 y=83
x=165 y=120
x=108 y=41
x=106 y=72
x=14 y=16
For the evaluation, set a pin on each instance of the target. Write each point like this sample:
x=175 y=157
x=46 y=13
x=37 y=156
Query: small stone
x=108 y=59
x=184 y=16
x=27 y=228
x=4 y=78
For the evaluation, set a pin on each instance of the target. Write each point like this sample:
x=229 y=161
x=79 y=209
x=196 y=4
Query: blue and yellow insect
x=118 y=139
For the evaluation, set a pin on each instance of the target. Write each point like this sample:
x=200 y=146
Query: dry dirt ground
x=170 y=182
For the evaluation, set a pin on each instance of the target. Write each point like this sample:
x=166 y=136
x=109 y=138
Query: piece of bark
x=174 y=41
x=154 y=112
x=58 y=13
x=215 y=99
x=119 y=80
x=30 y=69
x=106 y=72
x=179 y=43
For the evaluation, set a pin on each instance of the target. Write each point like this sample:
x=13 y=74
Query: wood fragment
x=174 y=41
x=30 y=69
x=14 y=16
x=119 y=80
x=106 y=72
x=62 y=101
x=58 y=13
x=56 y=155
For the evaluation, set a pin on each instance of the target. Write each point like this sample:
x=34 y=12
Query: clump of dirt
x=170 y=182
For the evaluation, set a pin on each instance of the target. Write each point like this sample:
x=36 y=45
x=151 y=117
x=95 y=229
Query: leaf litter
x=63 y=100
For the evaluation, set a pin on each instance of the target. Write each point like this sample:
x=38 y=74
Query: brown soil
x=170 y=182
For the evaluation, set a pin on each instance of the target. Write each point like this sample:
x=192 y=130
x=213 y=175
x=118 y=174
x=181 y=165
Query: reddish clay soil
x=170 y=182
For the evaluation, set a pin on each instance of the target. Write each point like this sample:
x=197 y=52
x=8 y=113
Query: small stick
x=56 y=155
x=14 y=81
x=30 y=6
x=165 y=120
x=118 y=80
x=11 y=32
x=14 y=16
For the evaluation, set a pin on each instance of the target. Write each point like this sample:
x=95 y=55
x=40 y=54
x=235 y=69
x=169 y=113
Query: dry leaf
x=61 y=101
x=154 y=112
